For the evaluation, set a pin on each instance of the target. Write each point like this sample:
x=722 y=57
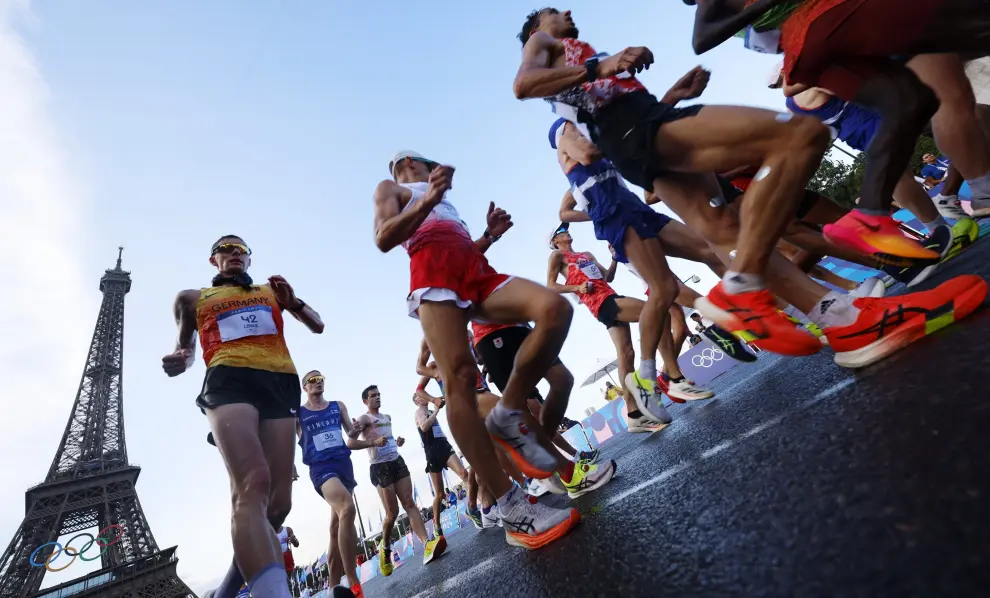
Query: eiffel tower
x=91 y=484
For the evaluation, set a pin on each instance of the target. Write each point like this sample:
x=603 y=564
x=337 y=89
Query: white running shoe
x=554 y=485
x=588 y=477
x=509 y=430
x=949 y=207
x=687 y=391
x=871 y=287
x=530 y=524
x=491 y=518
x=644 y=425
x=647 y=398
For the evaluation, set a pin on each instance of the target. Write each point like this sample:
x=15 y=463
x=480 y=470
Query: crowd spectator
x=934 y=170
x=610 y=391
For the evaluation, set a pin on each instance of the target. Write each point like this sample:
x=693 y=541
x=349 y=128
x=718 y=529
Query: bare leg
x=626 y=355
x=723 y=138
x=235 y=430
x=335 y=561
x=551 y=413
x=444 y=325
x=403 y=491
x=391 y=512
x=454 y=464
x=680 y=241
x=436 y=479
x=559 y=441
x=343 y=537
x=472 y=490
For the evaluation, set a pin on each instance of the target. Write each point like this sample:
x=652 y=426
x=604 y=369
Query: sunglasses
x=230 y=247
x=314 y=379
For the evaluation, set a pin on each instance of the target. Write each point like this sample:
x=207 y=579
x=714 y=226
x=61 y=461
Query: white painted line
x=457 y=580
x=835 y=388
x=663 y=475
x=760 y=427
x=718 y=448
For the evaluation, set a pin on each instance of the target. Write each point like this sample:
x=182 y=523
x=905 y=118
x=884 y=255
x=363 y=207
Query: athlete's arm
x=717 y=20
x=351 y=430
x=184 y=355
x=292 y=537
x=553 y=270
x=567 y=211
x=610 y=272
x=427 y=422
x=536 y=78
x=288 y=301
x=421 y=364
x=498 y=222
x=651 y=198
x=688 y=87
x=356 y=444
x=577 y=147
x=392 y=224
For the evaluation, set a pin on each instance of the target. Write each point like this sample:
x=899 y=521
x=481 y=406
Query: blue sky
x=164 y=125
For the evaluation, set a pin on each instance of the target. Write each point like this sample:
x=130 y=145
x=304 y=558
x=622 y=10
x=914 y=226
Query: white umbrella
x=602 y=367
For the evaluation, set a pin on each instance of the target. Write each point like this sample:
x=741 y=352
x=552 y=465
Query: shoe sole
x=650 y=430
x=890 y=259
x=527 y=468
x=728 y=321
x=919 y=327
x=686 y=397
x=598 y=484
x=540 y=540
x=438 y=550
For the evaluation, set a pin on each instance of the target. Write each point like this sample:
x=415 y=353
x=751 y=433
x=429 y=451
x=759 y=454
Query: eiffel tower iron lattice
x=91 y=484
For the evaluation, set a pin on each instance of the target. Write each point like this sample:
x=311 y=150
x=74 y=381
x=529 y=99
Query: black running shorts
x=608 y=313
x=388 y=473
x=626 y=129
x=498 y=349
x=437 y=455
x=274 y=395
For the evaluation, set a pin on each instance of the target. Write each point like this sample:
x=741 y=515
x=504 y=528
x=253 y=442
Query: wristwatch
x=592 y=66
x=301 y=304
x=491 y=238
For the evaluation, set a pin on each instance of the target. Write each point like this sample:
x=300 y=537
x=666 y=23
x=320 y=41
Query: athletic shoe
x=950 y=207
x=554 y=484
x=663 y=385
x=685 y=389
x=980 y=207
x=871 y=287
x=657 y=412
x=356 y=591
x=491 y=518
x=729 y=345
x=535 y=487
x=644 y=425
x=532 y=525
x=940 y=241
x=345 y=592
x=642 y=391
x=753 y=316
x=475 y=516
x=510 y=431
x=434 y=548
x=591 y=455
x=886 y=325
x=965 y=232
x=877 y=236
x=384 y=558
x=588 y=477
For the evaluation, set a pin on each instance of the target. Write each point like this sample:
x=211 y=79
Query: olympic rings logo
x=707 y=358
x=100 y=540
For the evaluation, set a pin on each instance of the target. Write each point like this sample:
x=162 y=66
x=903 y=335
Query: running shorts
x=437 y=455
x=611 y=222
x=290 y=563
x=388 y=473
x=839 y=44
x=608 y=313
x=498 y=350
x=274 y=395
x=626 y=129
x=450 y=272
x=339 y=467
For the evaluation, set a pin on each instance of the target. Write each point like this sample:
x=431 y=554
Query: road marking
x=760 y=427
x=456 y=580
x=663 y=475
x=718 y=448
x=829 y=391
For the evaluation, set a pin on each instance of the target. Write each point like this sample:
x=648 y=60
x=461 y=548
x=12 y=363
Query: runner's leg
x=403 y=492
x=391 y=504
x=443 y=326
x=343 y=537
x=626 y=356
x=235 y=431
x=436 y=480
x=681 y=242
x=454 y=464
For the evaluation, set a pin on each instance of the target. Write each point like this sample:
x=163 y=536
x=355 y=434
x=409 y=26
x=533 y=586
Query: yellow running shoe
x=384 y=558
x=434 y=548
x=964 y=233
x=588 y=476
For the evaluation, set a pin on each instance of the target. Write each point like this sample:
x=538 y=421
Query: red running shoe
x=663 y=383
x=888 y=324
x=879 y=237
x=754 y=318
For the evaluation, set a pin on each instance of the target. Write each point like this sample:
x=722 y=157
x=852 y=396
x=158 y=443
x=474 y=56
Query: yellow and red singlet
x=242 y=328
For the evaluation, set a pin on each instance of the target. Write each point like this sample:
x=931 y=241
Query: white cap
x=403 y=154
x=774 y=75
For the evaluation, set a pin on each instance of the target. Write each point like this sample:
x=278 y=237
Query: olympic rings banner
x=704 y=362
x=104 y=542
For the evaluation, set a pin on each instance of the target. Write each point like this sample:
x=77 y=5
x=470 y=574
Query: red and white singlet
x=580 y=270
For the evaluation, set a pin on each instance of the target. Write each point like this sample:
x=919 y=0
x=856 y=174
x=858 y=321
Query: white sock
x=944 y=198
x=737 y=282
x=648 y=369
x=937 y=222
x=270 y=582
x=980 y=186
x=834 y=310
x=501 y=411
x=506 y=499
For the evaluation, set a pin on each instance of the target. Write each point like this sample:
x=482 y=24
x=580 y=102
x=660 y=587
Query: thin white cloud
x=50 y=308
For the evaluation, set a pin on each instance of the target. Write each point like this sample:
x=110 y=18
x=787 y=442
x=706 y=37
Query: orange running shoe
x=754 y=318
x=888 y=324
x=531 y=525
x=879 y=237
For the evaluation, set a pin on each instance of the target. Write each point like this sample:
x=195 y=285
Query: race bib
x=590 y=269
x=328 y=440
x=437 y=430
x=764 y=42
x=388 y=450
x=255 y=320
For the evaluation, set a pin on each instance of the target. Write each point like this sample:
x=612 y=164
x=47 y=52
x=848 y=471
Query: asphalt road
x=799 y=479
